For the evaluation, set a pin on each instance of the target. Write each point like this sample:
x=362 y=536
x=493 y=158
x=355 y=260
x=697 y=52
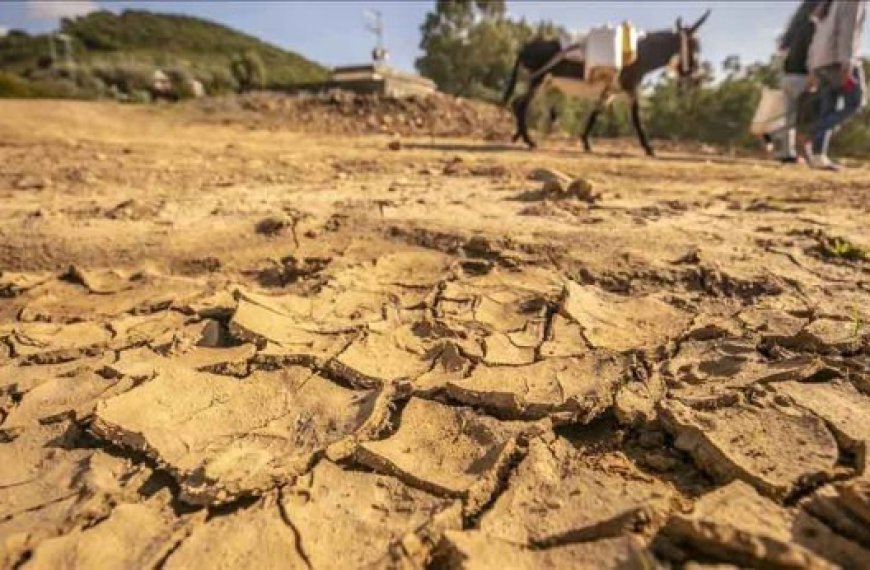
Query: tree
x=768 y=74
x=491 y=52
x=731 y=65
x=469 y=47
x=248 y=71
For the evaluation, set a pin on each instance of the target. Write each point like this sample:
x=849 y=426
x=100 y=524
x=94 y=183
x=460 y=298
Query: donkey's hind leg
x=603 y=101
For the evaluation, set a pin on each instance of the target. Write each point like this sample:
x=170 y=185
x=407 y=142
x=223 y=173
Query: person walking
x=795 y=44
x=836 y=72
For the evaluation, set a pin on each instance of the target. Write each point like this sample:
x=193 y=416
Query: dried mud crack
x=232 y=347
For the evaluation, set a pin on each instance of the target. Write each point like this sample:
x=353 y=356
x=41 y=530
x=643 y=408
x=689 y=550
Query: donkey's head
x=688 y=57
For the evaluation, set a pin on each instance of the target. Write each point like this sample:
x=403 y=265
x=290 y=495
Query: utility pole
x=375 y=24
x=52 y=50
x=67 y=49
x=69 y=64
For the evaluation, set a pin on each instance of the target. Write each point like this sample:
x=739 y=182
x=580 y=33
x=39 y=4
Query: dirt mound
x=346 y=113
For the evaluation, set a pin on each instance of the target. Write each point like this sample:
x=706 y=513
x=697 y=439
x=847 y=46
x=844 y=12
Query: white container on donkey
x=603 y=52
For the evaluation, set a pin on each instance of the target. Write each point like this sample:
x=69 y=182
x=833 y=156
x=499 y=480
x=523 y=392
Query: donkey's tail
x=512 y=82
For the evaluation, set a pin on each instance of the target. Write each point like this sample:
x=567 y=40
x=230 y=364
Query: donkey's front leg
x=638 y=127
x=521 y=107
x=587 y=131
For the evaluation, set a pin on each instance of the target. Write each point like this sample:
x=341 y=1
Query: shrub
x=249 y=71
x=140 y=96
x=126 y=77
x=220 y=81
x=182 y=82
x=13 y=86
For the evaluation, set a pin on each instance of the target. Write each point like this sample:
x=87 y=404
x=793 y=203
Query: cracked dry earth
x=228 y=348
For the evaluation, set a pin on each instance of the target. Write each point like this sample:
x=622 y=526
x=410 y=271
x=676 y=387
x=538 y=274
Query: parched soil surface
x=223 y=346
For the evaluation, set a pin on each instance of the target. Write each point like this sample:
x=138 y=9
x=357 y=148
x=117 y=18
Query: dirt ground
x=224 y=346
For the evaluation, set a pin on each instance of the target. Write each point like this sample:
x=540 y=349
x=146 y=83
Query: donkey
x=654 y=51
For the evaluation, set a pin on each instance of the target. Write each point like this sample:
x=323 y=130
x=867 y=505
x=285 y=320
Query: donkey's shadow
x=490 y=148
x=464 y=147
x=507 y=147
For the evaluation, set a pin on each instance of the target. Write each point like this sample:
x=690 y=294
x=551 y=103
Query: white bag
x=770 y=116
x=603 y=50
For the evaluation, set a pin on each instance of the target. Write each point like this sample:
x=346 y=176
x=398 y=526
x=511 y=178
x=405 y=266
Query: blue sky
x=333 y=33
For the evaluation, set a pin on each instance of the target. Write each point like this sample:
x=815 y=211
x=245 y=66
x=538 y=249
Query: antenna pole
x=375 y=24
x=52 y=51
x=67 y=51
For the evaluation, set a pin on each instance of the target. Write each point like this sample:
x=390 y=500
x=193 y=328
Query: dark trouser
x=830 y=91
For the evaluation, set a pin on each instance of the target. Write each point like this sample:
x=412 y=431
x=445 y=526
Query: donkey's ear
x=700 y=21
x=679 y=23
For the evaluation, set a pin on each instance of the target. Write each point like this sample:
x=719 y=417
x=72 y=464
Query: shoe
x=788 y=159
x=833 y=165
x=822 y=162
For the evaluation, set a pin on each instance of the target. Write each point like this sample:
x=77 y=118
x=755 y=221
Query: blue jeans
x=830 y=90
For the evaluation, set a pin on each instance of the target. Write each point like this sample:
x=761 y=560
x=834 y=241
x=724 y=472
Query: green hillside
x=107 y=45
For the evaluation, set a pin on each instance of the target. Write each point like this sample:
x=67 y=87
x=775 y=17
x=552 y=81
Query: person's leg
x=861 y=84
x=792 y=85
x=769 y=143
x=853 y=100
x=778 y=140
x=829 y=92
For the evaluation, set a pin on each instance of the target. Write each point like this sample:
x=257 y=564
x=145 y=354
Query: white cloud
x=56 y=9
